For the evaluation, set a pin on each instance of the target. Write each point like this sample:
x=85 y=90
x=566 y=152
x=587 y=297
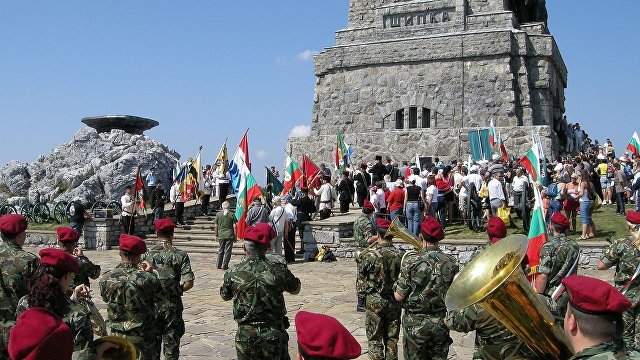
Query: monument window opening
x=413 y=117
x=400 y=119
x=426 y=118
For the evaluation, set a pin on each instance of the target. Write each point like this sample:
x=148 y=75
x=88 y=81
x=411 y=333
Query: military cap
x=368 y=206
x=60 y=260
x=496 y=229
x=592 y=296
x=132 y=244
x=633 y=217
x=382 y=224
x=12 y=224
x=431 y=227
x=379 y=157
x=560 y=220
x=322 y=336
x=261 y=234
x=39 y=334
x=67 y=234
x=163 y=225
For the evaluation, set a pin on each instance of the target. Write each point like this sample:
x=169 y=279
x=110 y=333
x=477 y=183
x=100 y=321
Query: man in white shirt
x=474 y=178
x=128 y=212
x=496 y=193
x=277 y=218
x=222 y=183
x=519 y=185
x=175 y=196
x=327 y=195
x=418 y=179
x=290 y=229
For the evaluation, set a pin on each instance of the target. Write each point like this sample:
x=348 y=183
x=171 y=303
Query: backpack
x=628 y=173
x=611 y=171
x=552 y=190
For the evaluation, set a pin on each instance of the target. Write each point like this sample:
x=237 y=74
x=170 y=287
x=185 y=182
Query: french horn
x=495 y=280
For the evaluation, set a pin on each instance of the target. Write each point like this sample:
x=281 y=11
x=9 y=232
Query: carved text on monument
x=419 y=18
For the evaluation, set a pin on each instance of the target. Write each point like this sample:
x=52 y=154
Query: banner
x=479 y=144
x=276 y=186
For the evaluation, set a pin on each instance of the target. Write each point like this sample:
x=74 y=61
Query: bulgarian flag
x=531 y=162
x=140 y=193
x=634 y=144
x=537 y=235
x=244 y=184
x=341 y=153
x=292 y=173
x=492 y=133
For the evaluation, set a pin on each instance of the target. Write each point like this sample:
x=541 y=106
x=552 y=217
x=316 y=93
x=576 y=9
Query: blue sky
x=208 y=70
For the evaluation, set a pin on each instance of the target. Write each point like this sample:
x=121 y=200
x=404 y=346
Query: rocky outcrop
x=87 y=167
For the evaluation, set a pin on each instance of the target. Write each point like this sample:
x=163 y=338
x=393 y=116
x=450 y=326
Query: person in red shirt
x=395 y=200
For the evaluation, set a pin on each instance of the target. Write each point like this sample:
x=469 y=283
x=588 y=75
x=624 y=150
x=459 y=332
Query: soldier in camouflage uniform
x=53 y=277
x=593 y=321
x=558 y=259
x=256 y=286
x=363 y=232
x=133 y=295
x=16 y=267
x=379 y=270
x=68 y=241
x=493 y=340
x=176 y=277
x=421 y=287
x=625 y=256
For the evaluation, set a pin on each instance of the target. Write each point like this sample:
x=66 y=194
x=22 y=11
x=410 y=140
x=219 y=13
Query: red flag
x=310 y=171
x=140 y=192
x=503 y=150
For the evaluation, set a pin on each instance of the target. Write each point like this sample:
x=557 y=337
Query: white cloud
x=300 y=131
x=306 y=55
x=261 y=154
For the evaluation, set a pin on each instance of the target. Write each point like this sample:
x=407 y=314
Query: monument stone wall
x=410 y=77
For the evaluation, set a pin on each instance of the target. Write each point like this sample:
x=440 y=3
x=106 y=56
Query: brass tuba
x=125 y=350
x=495 y=280
x=397 y=230
x=98 y=325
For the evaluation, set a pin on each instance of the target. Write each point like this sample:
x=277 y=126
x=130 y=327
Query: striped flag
x=341 y=153
x=537 y=234
x=531 y=162
x=492 y=133
x=542 y=168
x=292 y=173
x=244 y=184
x=634 y=144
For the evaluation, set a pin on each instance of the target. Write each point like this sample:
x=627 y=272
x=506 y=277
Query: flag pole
x=135 y=200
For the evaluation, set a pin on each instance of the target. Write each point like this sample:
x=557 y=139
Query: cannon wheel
x=25 y=210
x=98 y=205
x=116 y=207
x=60 y=212
x=8 y=209
x=41 y=213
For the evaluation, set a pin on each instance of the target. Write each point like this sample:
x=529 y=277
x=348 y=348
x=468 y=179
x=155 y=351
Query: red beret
x=496 y=229
x=431 y=227
x=368 y=205
x=39 y=334
x=592 y=295
x=132 y=244
x=633 y=217
x=60 y=260
x=382 y=223
x=560 y=220
x=163 y=225
x=12 y=224
x=261 y=234
x=67 y=234
x=324 y=337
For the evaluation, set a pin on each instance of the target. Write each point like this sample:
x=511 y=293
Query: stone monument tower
x=414 y=77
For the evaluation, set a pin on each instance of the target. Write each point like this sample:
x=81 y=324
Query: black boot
x=362 y=304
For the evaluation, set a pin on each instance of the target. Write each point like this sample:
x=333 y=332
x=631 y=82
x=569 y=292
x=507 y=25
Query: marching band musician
x=68 y=241
x=421 y=287
x=378 y=270
x=362 y=232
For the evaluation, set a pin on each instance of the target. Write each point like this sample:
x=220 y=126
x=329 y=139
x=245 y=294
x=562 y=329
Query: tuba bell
x=495 y=281
x=125 y=349
x=397 y=230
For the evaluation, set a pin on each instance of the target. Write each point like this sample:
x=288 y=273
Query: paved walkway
x=326 y=288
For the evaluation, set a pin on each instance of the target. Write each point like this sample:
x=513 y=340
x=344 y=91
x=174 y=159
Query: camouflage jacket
x=379 y=270
x=131 y=296
x=605 y=351
x=557 y=257
x=362 y=230
x=256 y=286
x=88 y=270
x=624 y=255
x=78 y=319
x=493 y=340
x=17 y=267
x=424 y=281
x=173 y=267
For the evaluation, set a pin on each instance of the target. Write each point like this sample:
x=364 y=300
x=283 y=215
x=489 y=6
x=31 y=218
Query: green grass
x=51 y=226
x=608 y=224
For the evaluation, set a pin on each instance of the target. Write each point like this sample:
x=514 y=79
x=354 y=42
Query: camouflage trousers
x=171 y=326
x=382 y=321
x=262 y=342
x=143 y=340
x=4 y=340
x=426 y=337
x=631 y=319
